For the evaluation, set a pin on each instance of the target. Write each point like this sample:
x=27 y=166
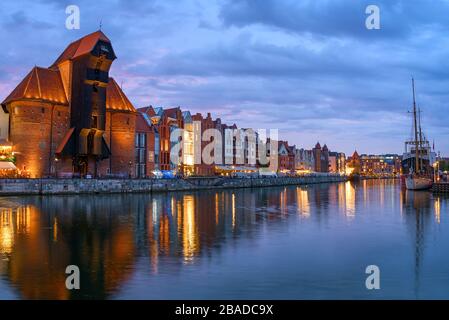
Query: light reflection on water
x=287 y=242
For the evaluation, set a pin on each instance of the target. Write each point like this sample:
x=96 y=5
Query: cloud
x=336 y=18
x=309 y=68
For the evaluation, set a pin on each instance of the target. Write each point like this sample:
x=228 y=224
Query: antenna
x=101 y=23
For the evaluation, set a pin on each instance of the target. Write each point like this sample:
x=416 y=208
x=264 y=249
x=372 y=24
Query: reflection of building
x=71 y=116
x=40 y=243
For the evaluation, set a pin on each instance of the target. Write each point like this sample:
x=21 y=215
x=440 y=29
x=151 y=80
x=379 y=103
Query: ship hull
x=418 y=183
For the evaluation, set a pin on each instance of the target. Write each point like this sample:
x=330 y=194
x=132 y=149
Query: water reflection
x=107 y=236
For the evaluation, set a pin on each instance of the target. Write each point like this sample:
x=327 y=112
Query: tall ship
x=418 y=158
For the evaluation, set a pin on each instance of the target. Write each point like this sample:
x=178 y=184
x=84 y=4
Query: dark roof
x=81 y=47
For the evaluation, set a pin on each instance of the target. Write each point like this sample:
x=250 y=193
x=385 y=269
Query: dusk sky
x=310 y=68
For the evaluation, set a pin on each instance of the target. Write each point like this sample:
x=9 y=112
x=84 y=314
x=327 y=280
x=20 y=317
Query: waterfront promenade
x=105 y=186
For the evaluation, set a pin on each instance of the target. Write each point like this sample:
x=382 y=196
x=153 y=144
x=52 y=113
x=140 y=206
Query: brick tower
x=58 y=115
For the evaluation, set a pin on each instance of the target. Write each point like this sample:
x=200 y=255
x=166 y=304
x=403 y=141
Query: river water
x=295 y=242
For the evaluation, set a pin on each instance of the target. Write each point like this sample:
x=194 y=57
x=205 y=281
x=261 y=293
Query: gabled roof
x=158 y=111
x=40 y=84
x=172 y=112
x=81 y=47
x=147 y=110
x=143 y=123
x=116 y=100
x=187 y=117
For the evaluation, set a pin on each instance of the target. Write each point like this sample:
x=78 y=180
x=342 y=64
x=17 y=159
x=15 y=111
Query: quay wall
x=105 y=186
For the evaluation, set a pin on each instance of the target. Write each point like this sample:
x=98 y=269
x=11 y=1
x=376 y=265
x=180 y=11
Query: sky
x=309 y=68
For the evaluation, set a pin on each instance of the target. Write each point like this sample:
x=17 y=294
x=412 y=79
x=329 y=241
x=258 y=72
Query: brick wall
x=34 y=138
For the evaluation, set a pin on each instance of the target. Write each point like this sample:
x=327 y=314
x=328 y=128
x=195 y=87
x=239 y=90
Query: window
x=43 y=110
x=142 y=140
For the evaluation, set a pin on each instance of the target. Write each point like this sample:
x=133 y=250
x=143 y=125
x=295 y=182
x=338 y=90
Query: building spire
x=101 y=23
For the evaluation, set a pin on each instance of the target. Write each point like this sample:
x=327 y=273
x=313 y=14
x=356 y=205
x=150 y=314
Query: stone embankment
x=104 y=186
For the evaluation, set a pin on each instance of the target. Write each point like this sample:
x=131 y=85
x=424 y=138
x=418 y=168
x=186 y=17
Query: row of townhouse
x=374 y=165
x=320 y=159
x=235 y=149
x=72 y=119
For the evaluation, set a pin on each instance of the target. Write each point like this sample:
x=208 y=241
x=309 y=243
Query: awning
x=5 y=165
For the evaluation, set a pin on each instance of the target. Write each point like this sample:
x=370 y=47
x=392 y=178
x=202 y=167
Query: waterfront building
x=201 y=124
x=146 y=154
x=321 y=156
x=380 y=165
x=229 y=143
x=188 y=145
x=341 y=162
x=286 y=157
x=304 y=160
x=4 y=126
x=374 y=165
x=239 y=147
x=165 y=121
x=337 y=162
x=333 y=162
x=249 y=140
x=72 y=118
x=353 y=164
x=220 y=127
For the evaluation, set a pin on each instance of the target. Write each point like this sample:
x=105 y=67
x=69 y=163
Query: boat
x=418 y=183
x=419 y=175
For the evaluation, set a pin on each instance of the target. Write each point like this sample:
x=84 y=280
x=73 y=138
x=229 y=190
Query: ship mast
x=421 y=139
x=416 y=129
